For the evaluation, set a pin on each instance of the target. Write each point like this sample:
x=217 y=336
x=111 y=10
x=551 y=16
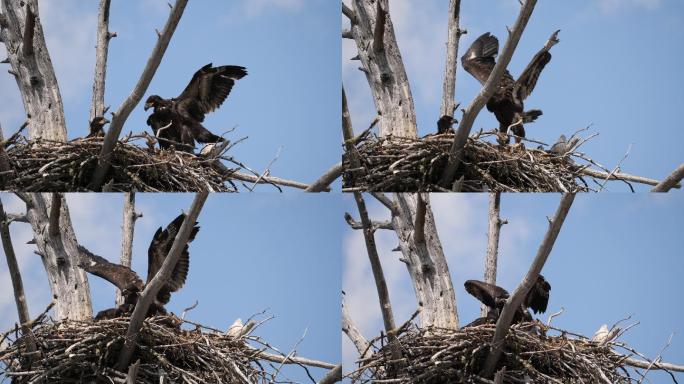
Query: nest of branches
x=416 y=165
x=78 y=352
x=446 y=356
x=68 y=167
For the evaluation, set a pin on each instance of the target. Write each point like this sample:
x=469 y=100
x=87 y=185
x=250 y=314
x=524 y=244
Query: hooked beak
x=105 y=121
x=148 y=106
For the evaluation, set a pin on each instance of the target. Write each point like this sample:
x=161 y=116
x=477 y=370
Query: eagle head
x=99 y=121
x=153 y=101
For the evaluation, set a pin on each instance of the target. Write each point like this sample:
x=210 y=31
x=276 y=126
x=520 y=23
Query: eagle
x=130 y=283
x=97 y=127
x=494 y=297
x=178 y=121
x=507 y=102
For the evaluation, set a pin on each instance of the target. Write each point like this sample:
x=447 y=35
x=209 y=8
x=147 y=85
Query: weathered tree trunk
x=32 y=68
x=493 y=232
x=60 y=257
x=371 y=28
x=128 y=229
x=426 y=263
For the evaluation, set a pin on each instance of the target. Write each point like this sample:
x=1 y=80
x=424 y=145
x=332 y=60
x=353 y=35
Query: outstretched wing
x=159 y=249
x=208 y=89
x=479 y=59
x=538 y=297
x=489 y=294
x=122 y=277
x=528 y=79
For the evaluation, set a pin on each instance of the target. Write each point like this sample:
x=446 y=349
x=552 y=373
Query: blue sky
x=615 y=67
x=616 y=255
x=290 y=47
x=253 y=253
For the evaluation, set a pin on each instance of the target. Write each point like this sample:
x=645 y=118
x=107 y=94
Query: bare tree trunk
x=103 y=36
x=128 y=229
x=426 y=263
x=60 y=257
x=32 y=68
x=453 y=37
x=371 y=28
x=495 y=224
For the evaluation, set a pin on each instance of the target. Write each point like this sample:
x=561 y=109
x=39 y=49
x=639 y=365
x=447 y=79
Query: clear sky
x=253 y=253
x=616 y=255
x=615 y=67
x=291 y=49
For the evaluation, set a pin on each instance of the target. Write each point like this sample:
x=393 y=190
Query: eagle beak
x=148 y=106
x=105 y=121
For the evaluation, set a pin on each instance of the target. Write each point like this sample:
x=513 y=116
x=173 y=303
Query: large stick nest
x=446 y=356
x=416 y=165
x=68 y=167
x=84 y=352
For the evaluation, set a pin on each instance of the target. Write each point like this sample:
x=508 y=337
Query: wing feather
x=489 y=294
x=528 y=79
x=538 y=297
x=479 y=59
x=208 y=89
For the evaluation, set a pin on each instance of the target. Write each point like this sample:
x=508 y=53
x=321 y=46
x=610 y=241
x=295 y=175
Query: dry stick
x=495 y=224
x=645 y=364
x=267 y=180
x=128 y=229
x=101 y=50
x=354 y=334
x=387 y=224
x=324 y=181
x=486 y=93
x=621 y=176
x=516 y=299
x=55 y=208
x=333 y=376
x=119 y=118
x=292 y=360
x=419 y=221
x=152 y=288
x=15 y=276
x=670 y=181
x=453 y=37
x=133 y=372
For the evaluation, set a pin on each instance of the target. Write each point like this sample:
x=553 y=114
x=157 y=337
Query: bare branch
x=384 y=200
x=333 y=376
x=328 y=178
x=453 y=36
x=29 y=31
x=379 y=32
x=292 y=360
x=516 y=299
x=352 y=331
x=378 y=275
x=268 y=180
x=152 y=288
x=133 y=373
x=15 y=276
x=349 y=13
x=645 y=364
x=622 y=176
x=128 y=229
x=119 y=118
x=671 y=181
x=485 y=94
x=376 y=224
x=493 y=232
x=419 y=222
x=97 y=105
x=55 y=208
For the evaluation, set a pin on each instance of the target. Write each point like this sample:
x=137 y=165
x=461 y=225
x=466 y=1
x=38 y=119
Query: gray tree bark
x=60 y=257
x=32 y=68
x=128 y=230
x=373 y=32
x=493 y=232
x=453 y=37
x=426 y=263
x=103 y=36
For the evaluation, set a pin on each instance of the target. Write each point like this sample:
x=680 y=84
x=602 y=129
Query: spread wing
x=159 y=249
x=538 y=297
x=122 y=277
x=489 y=294
x=528 y=79
x=208 y=89
x=479 y=59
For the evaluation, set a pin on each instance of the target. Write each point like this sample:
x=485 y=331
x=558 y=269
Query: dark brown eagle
x=130 y=283
x=494 y=297
x=97 y=127
x=178 y=122
x=507 y=102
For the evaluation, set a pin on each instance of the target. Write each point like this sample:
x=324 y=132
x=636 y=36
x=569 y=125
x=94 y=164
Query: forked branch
x=120 y=116
x=516 y=299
